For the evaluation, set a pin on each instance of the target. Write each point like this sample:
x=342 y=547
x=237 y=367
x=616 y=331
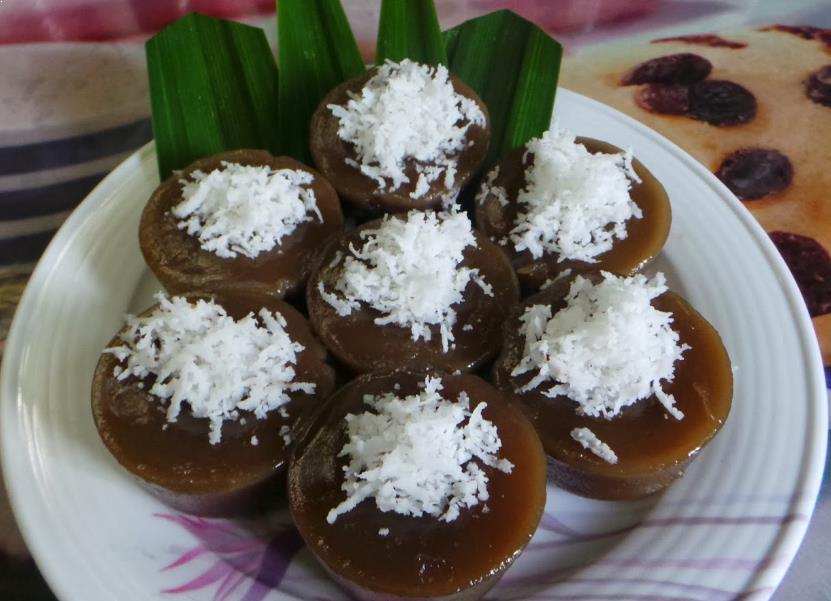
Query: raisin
x=806 y=32
x=753 y=173
x=818 y=86
x=665 y=99
x=673 y=68
x=810 y=265
x=707 y=39
x=720 y=102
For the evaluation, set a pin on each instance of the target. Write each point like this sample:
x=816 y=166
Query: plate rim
x=790 y=536
x=14 y=459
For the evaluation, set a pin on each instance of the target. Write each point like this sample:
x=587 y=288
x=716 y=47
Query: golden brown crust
x=822 y=325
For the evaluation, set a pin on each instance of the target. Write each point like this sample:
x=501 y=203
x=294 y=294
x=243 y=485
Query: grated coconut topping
x=419 y=455
x=407 y=112
x=606 y=349
x=489 y=188
x=409 y=269
x=245 y=210
x=589 y=441
x=197 y=354
x=575 y=203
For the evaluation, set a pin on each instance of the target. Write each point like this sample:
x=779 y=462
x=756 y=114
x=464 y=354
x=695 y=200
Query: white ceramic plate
x=727 y=530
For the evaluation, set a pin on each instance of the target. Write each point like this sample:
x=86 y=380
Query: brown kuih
x=181 y=265
x=330 y=153
x=363 y=346
x=175 y=461
x=645 y=239
x=653 y=448
x=421 y=557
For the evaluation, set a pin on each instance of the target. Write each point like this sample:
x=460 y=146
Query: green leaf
x=513 y=65
x=213 y=87
x=410 y=29
x=317 y=51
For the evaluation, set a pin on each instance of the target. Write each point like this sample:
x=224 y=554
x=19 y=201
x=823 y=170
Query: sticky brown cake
x=651 y=447
x=176 y=460
x=364 y=339
x=379 y=554
x=338 y=159
x=181 y=263
x=645 y=238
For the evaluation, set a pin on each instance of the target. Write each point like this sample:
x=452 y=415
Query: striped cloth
x=41 y=182
x=97 y=20
x=72 y=110
x=70 y=113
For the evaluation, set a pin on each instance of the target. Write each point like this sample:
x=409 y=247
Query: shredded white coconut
x=416 y=455
x=606 y=349
x=197 y=354
x=448 y=200
x=409 y=269
x=383 y=531
x=254 y=441
x=244 y=209
x=489 y=189
x=285 y=434
x=589 y=440
x=575 y=203
x=551 y=281
x=407 y=113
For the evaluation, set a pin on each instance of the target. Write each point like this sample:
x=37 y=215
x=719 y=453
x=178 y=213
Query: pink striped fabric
x=23 y=21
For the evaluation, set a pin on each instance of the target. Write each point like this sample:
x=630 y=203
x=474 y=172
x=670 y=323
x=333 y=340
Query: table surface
x=55 y=53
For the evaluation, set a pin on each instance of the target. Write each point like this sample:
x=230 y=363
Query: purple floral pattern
x=246 y=565
x=238 y=561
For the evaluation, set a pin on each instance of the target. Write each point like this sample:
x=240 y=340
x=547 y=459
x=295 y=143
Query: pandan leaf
x=410 y=29
x=213 y=87
x=316 y=52
x=513 y=65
